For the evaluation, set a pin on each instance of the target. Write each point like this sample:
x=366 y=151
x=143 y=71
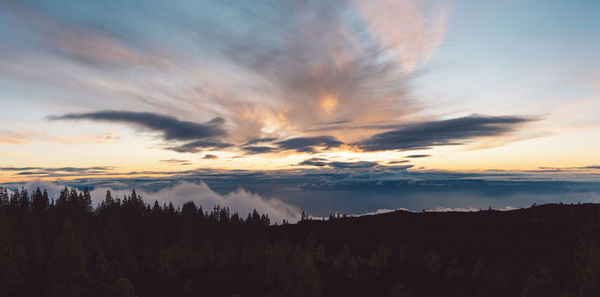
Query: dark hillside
x=127 y=247
x=516 y=243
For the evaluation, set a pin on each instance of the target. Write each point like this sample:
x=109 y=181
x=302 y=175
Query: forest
x=124 y=246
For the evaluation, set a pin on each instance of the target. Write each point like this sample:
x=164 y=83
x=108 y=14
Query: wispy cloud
x=273 y=76
x=58 y=171
x=261 y=65
x=413 y=42
x=11 y=137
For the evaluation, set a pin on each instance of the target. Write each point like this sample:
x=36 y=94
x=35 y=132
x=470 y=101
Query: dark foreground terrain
x=125 y=247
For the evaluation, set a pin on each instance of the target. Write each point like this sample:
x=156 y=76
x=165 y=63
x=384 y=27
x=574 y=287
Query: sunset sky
x=124 y=90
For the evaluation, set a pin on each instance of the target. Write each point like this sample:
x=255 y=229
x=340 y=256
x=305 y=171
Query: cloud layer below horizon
x=364 y=190
x=239 y=200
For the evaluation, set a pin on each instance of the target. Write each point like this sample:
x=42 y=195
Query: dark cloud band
x=202 y=135
x=320 y=162
x=59 y=169
x=258 y=149
x=436 y=133
x=199 y=146
x=170 y=127
x=309 y=144
x=260 y=140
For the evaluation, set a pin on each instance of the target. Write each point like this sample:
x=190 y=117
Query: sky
x=341 y=105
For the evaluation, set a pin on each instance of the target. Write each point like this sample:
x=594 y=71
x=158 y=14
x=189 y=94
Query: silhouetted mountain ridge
x=517 y=242
x=127 y=247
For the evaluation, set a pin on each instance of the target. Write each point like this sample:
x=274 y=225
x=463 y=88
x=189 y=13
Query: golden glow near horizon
x=135 y=159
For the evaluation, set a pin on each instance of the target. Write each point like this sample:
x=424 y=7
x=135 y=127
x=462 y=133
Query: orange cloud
x=403 y=26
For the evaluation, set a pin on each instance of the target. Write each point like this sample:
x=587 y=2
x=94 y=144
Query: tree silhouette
x=432 y=262
x=126 y=247
x=587 y=260
x=309 y=283
x=540 y=285
x=8 y=264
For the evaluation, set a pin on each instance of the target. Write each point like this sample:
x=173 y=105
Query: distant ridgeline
x=65 y=247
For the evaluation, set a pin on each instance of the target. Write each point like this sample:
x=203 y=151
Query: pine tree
x=108 y=199
x=540 y=285
x=4 y=198
x=587 y=260
x=309 y=283
x=8 y=262
x=40 y=202
x=480 y=271
x=68 y=261
x=123 y=288
x=432 y=262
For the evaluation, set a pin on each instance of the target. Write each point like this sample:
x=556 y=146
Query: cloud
x=240 y=200
x=258 y=149
x=18 y=168
x=83 y=139
x=417 y=156
x=50 y=187
x=176 y=162
x=358 y=164
x=324 y=190
x=315 y=162
x=378 y=211
x=573 y=170
x=436 y=209
x=204 y=135
x=298 y=144
x=337 y=61
x=456 y=131
x=60 y=169
x=199 y=146
x=262 y=66
x=210 y=157
x=467 y=209
x=309 y=144
x=413 y=42
x=170 y=127
x=10 y=137
x=32 y=173
x=260 y=140
x=398 y=162
x=592 y=167
x=320 y=162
